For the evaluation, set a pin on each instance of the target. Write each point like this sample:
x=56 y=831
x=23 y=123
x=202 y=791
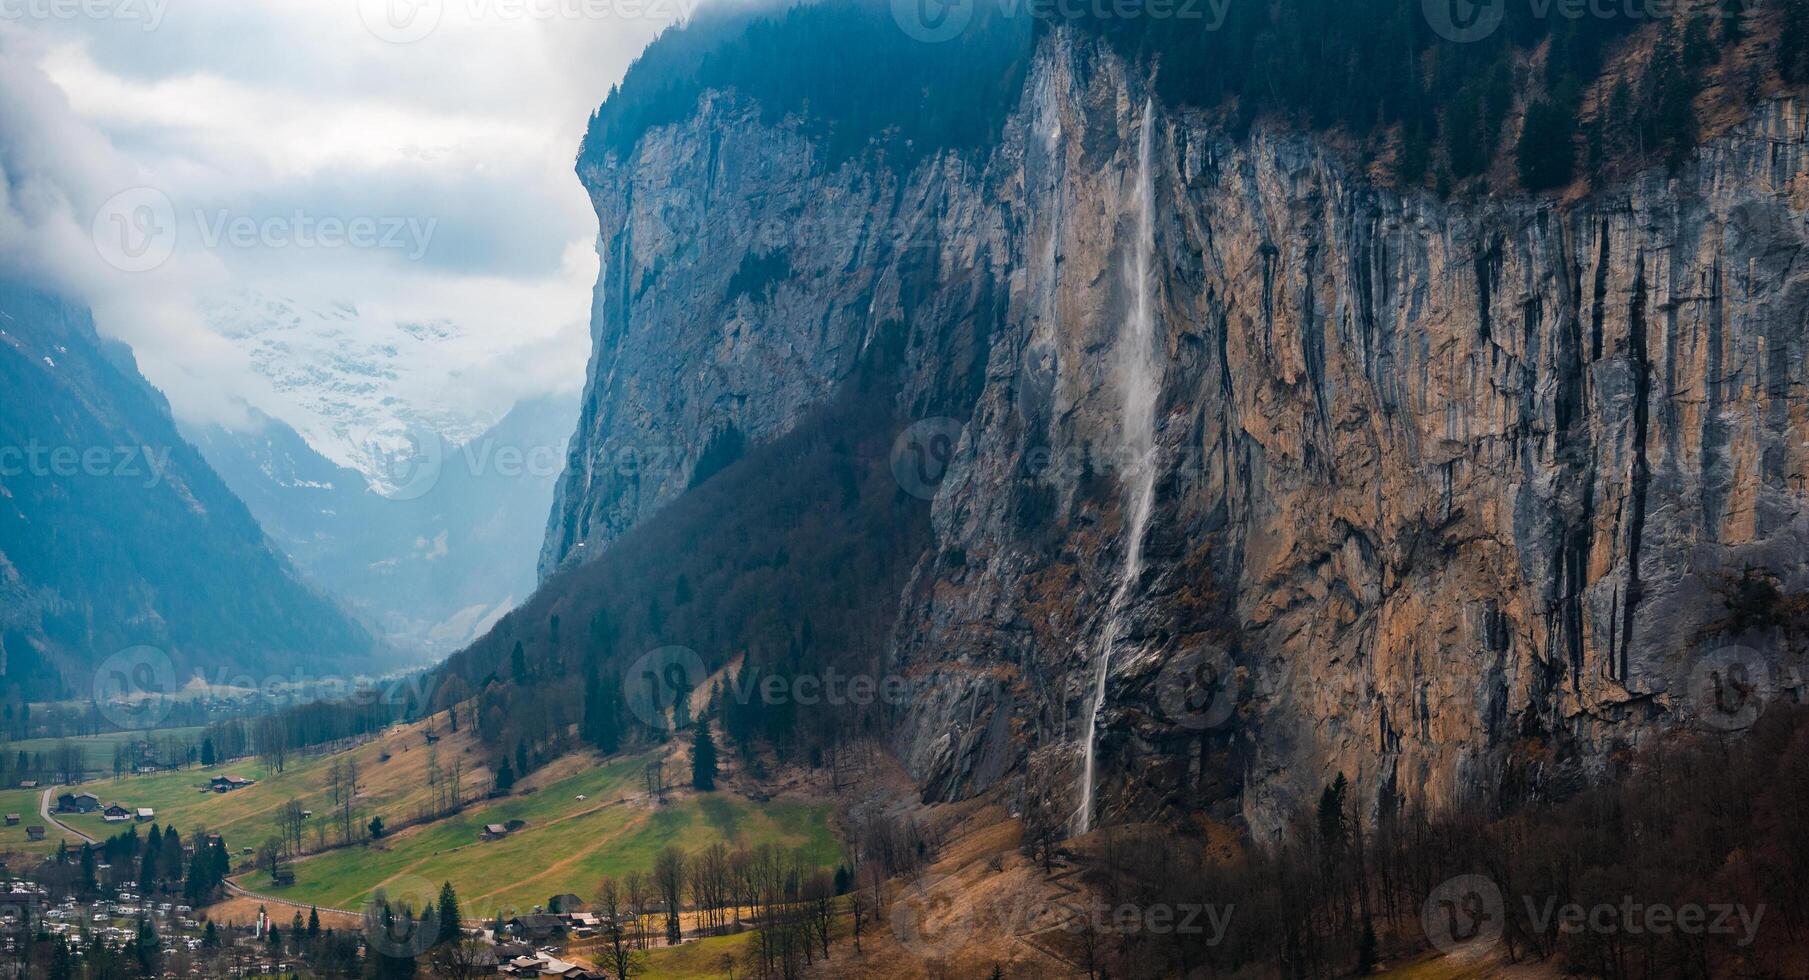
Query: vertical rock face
x=1437 y=482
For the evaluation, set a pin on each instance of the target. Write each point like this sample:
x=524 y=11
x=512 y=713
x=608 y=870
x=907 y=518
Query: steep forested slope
x=114 y=533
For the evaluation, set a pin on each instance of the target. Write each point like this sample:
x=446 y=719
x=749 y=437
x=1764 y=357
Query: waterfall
x=1137 y=374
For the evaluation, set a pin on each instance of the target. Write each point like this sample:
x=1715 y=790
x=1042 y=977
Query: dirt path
x=233 y=888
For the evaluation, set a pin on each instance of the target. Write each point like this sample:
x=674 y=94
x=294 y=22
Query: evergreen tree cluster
x=844 y=70
x=791 y=560
x=1375 y=69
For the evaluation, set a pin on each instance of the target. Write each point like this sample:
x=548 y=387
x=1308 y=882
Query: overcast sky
x=411 y=157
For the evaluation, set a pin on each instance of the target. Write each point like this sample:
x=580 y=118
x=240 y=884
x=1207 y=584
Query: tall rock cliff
x=1435 y=485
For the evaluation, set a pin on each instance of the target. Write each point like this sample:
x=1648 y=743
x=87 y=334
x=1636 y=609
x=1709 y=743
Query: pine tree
x=450 y=914
x=1331 y=813
x=62 y=961
x=1546 y=157
x=1367 y=955
x=1733 y=28
x=87 y=883
x=703 y=757
x=313 y=923
x=149 y=951
x=1672 y=122
x=1793 y=41
x=153 y=853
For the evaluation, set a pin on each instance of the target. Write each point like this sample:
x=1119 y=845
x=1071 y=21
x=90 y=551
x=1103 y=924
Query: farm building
x=78 y=803
x=114 y=813
x=34 y=833
x=537 y=928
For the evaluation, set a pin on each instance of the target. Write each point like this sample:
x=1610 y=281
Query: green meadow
x=392 y=784
x=24 y=802
x=566 y=845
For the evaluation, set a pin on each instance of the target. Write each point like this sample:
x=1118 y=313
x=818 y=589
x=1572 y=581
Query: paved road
x=44 y=810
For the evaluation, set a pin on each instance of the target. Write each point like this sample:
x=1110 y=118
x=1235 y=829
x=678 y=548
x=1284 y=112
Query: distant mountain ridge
x=432 y=566
x=114 y=532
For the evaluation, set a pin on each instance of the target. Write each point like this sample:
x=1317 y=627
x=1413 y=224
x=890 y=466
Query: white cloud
x=283 y=113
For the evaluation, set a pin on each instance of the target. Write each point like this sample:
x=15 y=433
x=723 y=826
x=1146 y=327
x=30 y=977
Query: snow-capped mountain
x=364 y=391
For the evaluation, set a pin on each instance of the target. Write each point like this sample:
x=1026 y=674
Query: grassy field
x=699 y=960
x=392 y=789
x=97 y=750
x=567 y=844
x=24 y=802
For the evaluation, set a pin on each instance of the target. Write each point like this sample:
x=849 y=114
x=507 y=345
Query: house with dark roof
x=537 y=928
x=78 y=803
x=34 y=833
